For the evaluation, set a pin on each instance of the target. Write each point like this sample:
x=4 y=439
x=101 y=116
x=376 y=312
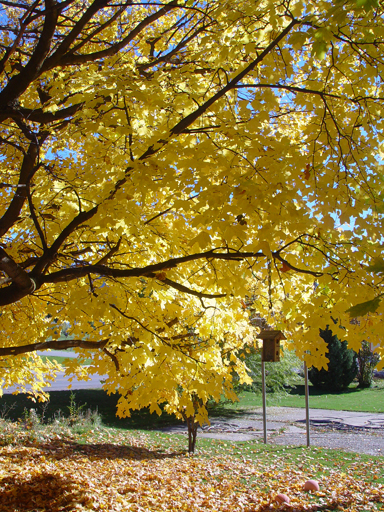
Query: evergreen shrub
x=342 y=366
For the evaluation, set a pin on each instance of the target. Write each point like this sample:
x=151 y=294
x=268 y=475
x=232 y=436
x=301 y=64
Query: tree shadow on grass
x=223 y=411
x=112 y=451
x=103 y=451
x=42 y=491
x=300 y=390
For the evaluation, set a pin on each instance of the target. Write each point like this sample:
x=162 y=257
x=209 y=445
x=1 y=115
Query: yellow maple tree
x=161 y=161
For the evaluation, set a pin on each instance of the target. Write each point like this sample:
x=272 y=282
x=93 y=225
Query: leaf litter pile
x=125 y=475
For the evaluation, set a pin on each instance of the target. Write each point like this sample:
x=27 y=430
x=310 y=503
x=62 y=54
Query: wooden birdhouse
x=271 y=345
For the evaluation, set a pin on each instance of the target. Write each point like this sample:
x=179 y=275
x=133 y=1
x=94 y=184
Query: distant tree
x=367 y=360
x=278 y=376
x=342 y=366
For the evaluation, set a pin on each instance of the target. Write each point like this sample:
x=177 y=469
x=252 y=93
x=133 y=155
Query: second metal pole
x=307 y=403
x=264 y=401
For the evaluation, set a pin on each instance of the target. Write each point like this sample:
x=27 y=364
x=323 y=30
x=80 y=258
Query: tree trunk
x=192 y=433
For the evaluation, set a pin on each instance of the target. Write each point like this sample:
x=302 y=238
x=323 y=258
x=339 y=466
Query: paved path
x=322 y=417
x=56 y=353
x=62 y=383
x=344 y=430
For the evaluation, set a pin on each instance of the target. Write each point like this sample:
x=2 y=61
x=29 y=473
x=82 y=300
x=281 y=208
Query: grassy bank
x=352 y=399
x=13 y=407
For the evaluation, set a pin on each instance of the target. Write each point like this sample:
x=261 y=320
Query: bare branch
x=71 y=59
x=54 y=345
x=113 y=357
x=35 y=221
x=292 y=267
x=147 y=271
x=28 y=168
x=23 y=25
x=184 y=289
x=50 y=254
x=20 y=83
x=38 y=115
x=109 y=255
x=76 y=30
x=191 y=118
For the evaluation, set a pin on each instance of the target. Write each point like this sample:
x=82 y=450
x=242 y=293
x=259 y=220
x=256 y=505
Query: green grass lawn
x=322 y=460
x=352 y=399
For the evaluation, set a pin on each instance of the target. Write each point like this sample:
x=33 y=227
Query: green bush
x=367 y=360
x=278 y=376
x=342 y=366
x=34 y=426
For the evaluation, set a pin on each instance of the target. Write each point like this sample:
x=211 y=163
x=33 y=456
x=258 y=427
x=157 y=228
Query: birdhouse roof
x=271 y=335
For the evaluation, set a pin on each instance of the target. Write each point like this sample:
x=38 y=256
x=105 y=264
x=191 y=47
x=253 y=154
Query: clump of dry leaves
x=62 y=475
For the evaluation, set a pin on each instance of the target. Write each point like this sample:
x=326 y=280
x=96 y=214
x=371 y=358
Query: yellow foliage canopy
x=161 y=162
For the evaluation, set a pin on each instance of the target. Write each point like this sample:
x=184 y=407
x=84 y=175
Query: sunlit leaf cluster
x=162 y=162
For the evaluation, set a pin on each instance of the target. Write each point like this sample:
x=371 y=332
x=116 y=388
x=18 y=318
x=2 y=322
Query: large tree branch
x=191 y=118
x=38 y=115
x=10 y=294
x=304 y=90
x=20 y=83
x=232 y=84
x=70 y=59
x=99 y=29
x=19 y=277
x=54 y=345
x=50 y=254
x=28 y=168
x=69 y=39
x=148 y=271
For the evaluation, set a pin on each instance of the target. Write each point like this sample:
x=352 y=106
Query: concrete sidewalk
x=324 y=416
x=290 y=419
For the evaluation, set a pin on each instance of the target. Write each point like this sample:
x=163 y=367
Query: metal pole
x=307 y=403
x=264 y=401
